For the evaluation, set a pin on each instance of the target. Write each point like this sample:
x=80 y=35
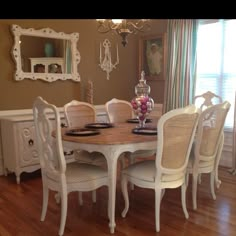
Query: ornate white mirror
x=45 y=54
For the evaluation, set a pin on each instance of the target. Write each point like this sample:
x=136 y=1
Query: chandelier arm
x=105 y=27
x=113 y=26
x=140 y=26
x=103 y=31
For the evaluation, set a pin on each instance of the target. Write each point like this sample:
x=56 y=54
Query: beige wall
x=21 y=94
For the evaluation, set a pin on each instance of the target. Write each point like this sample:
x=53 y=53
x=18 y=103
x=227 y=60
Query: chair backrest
x=78 y=113
x=209 y=131
x=47 y=119
x=119 y=110
x=206 y=100
x=176 y=130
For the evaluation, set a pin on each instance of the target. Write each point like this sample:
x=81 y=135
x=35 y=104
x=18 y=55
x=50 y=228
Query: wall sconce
x=106 y=63
x=123 y=27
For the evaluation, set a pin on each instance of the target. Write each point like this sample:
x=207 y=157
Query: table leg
x=112 y=160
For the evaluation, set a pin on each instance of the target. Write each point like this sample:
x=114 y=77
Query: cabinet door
x=27 y=144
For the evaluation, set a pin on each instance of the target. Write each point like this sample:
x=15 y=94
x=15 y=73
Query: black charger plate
x=145 y=130
x=82 y=132
x=99 y=125
x=135 y=120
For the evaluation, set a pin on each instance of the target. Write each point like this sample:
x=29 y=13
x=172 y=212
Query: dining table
x=112 y=141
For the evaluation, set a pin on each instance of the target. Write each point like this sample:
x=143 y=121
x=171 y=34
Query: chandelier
x=123 y=27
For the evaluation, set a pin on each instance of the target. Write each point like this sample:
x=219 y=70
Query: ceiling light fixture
x=123 y=27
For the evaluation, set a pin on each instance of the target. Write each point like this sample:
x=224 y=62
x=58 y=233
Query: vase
x=142 y=104
x=49 y=50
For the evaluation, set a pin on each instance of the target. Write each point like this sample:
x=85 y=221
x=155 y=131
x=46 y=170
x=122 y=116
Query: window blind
x=216 y=64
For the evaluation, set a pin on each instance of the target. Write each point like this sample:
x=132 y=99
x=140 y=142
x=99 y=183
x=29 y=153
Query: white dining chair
x=57 y=175
x=207 y=99
x=78 y=114
x=176 y=130
x=120 y=111
x=204 y=101
x=205 y=155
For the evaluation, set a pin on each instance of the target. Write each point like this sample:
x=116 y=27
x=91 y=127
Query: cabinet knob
x=31 y=142
x=63 y=125
x=68 y=153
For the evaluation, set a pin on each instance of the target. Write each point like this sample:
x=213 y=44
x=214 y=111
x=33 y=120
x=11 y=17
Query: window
x=216 y=61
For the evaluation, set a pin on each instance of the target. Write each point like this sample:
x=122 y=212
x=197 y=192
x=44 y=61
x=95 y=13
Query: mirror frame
x=47 y=33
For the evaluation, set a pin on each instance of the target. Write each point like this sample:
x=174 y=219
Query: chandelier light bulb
x=117 y=21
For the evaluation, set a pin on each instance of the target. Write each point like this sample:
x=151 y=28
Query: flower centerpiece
x=142 y=104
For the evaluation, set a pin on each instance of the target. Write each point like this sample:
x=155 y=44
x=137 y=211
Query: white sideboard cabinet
x=18 y=142
x=19 y=146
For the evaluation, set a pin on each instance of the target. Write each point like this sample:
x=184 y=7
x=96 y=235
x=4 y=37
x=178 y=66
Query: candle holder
x=142 y=104
x=106 y=63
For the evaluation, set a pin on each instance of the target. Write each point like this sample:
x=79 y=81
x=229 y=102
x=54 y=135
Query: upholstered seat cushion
x=201 y=164
x=146 y=171
x=81 y=171
x=84 y=172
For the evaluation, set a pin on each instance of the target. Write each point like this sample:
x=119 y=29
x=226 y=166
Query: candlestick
x=117 y=53
x=100 y=53
x=90 y=92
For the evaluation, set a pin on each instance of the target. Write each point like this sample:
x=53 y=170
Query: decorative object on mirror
x=123 y=27
x=89 y=92
x=142 y=104
x=47 y=65
x=62 y=57
x=49 y=50
x=106 y=63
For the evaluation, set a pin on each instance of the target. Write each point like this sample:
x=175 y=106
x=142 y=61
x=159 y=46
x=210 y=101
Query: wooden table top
x=121 y=133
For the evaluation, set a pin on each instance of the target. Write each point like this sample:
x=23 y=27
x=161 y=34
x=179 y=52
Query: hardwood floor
x=20 y=209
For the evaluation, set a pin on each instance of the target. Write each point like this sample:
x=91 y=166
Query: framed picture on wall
x=152 y=56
